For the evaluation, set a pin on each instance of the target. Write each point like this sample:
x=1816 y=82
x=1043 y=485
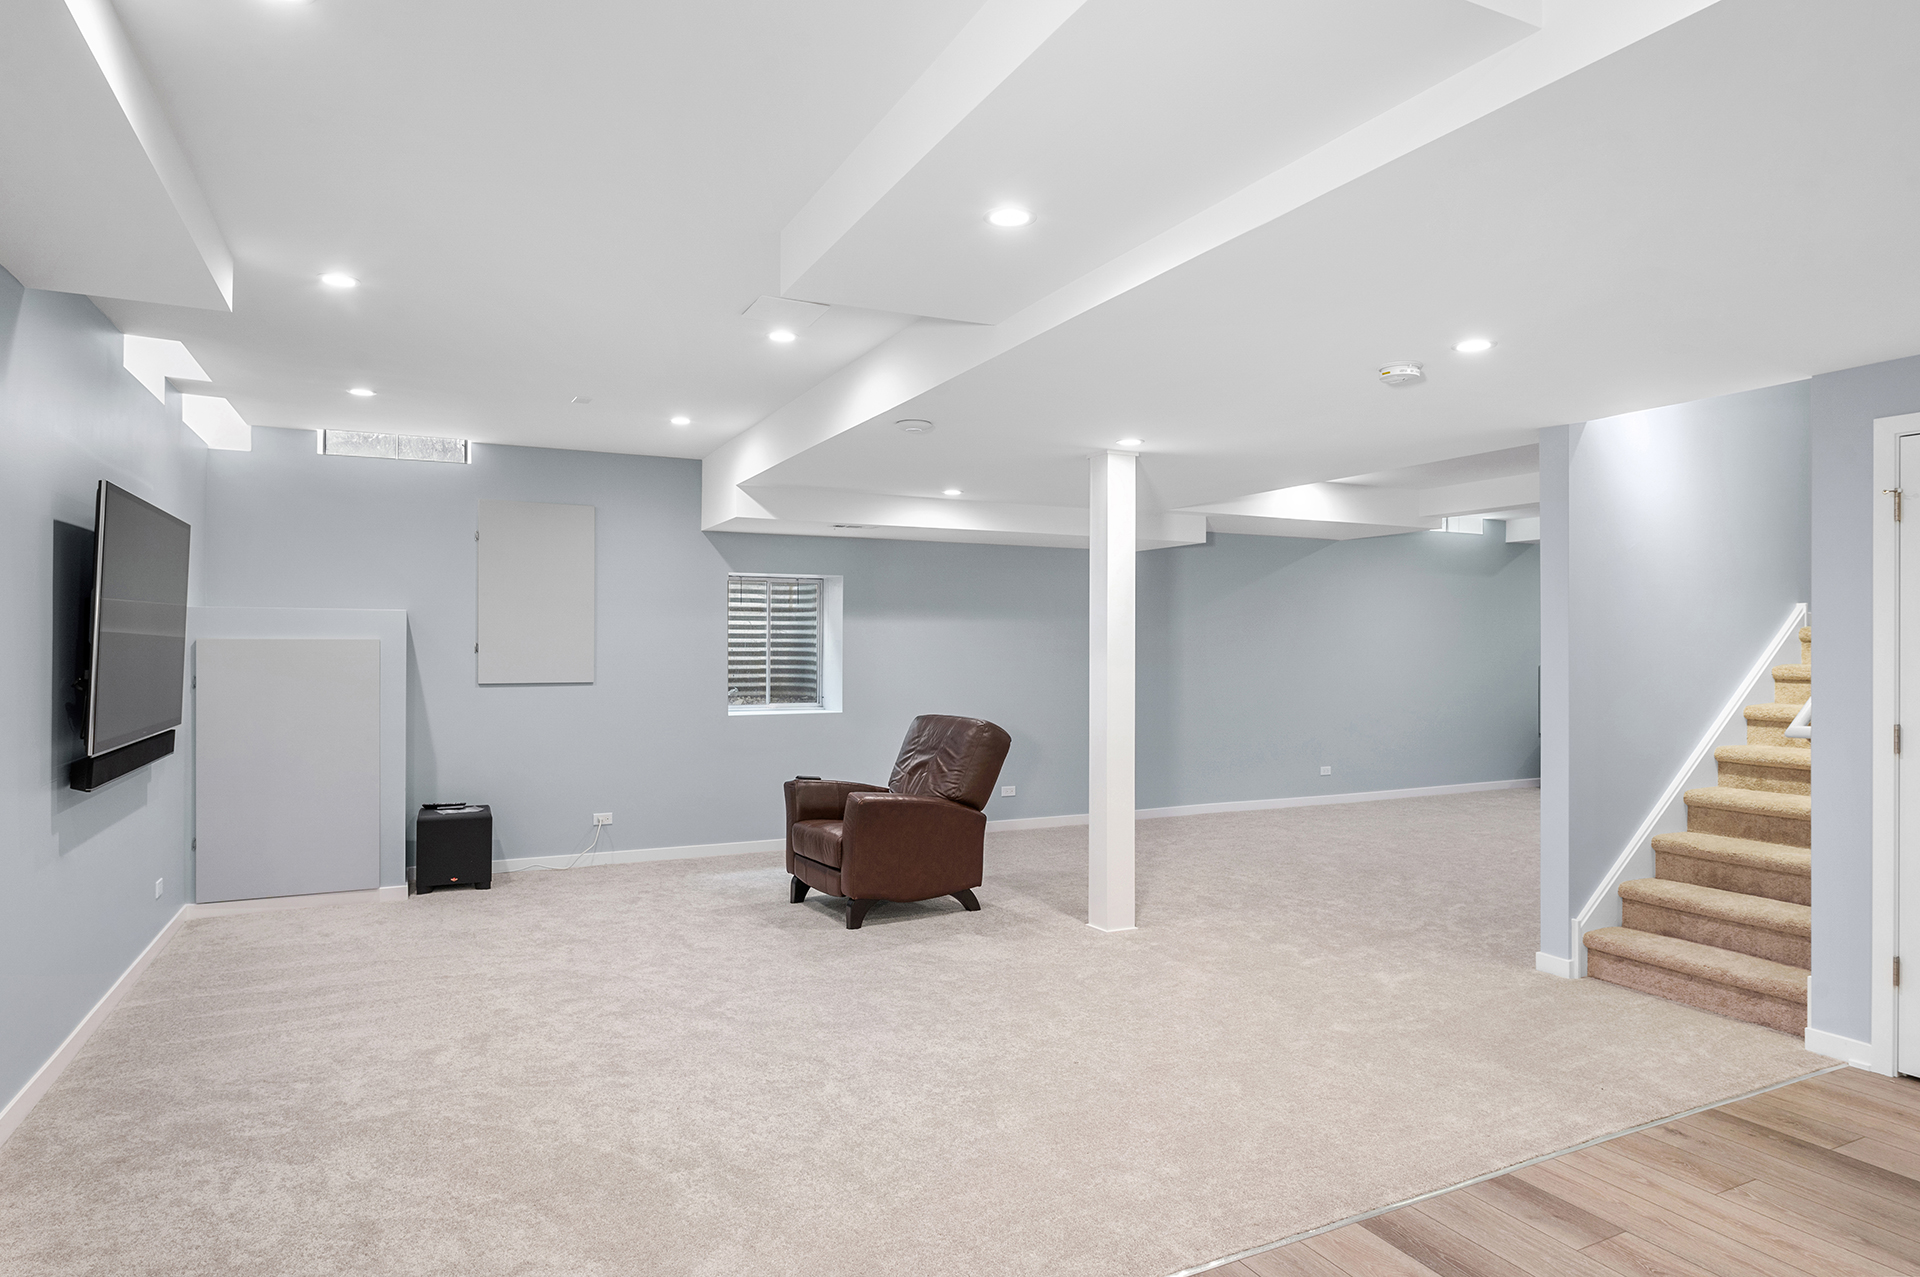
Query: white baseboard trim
x=1550 y=965
x=1849 y=1050
x=640 y=855
x=42 y=1081
x=268 y=904
x=1270 y=804
x=1319 y=800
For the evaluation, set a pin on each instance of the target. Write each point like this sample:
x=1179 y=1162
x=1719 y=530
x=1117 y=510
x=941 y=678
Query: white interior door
x=1907 y=995
x=286 y=767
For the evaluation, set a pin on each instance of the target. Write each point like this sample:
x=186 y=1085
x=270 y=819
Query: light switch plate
x=1326 y=771
x=1006 y=791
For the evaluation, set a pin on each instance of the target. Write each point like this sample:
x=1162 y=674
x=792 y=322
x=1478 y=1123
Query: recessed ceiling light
x=781 y=335
x=361 y=391
x=915 y=426
x=949 y=492
x=1473 y=346
x=1008 y=215
x=582 y=399
x=1128 y=443
x=680 y=421
x=339 y=279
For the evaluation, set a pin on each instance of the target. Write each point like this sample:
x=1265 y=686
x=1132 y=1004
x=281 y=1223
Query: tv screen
x=139 y=631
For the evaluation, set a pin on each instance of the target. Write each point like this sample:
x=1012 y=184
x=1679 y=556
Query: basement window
x=783 y=644
x=366 y=443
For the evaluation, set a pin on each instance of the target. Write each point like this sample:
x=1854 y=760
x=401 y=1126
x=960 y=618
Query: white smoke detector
x=915 y=426
x=1402 y=374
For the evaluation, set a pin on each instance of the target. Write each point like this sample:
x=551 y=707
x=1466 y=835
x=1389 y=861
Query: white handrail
x=1802 y=726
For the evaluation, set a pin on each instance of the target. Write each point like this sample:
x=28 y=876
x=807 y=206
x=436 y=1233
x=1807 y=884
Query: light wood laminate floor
x=1820 y=1177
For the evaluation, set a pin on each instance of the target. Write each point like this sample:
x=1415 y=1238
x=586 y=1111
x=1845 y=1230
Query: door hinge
x=1895 y=494
x=476 y=651
x=1896 y=733
x=476 y=536
x=195 y=846
x=1896 y=972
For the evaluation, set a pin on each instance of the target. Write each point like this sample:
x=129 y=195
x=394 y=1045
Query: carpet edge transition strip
x=1237 y=1256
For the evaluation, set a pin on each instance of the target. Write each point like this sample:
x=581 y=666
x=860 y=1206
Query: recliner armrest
x=909 y=847
x=822 y=799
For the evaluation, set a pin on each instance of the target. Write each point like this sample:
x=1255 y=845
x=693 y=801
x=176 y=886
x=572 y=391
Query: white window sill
x=779 y=709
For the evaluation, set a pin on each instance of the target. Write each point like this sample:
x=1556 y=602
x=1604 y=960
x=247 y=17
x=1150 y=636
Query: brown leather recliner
x=920 y=837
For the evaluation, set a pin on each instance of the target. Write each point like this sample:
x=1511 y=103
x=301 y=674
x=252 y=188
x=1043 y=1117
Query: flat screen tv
x=137 y=656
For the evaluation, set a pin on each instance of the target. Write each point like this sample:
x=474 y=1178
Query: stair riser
x=1758 y=826
x=1806 y=652
x=1795 y=889
x=1720 y=999
x=1786 y=692
x=1771 y=780
x=1773 y=734
x=1794 y=951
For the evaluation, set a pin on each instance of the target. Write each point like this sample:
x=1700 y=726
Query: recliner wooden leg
x=966 y=898
x=796 y=892
x=857 y=912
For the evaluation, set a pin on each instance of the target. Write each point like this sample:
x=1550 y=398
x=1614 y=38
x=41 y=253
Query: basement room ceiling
x=1242 y=210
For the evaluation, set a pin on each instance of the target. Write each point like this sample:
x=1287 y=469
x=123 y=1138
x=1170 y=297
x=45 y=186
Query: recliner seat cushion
x=819 y=840
x=957 y=759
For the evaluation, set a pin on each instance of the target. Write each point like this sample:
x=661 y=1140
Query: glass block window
x=774 y=631
x=366 y=443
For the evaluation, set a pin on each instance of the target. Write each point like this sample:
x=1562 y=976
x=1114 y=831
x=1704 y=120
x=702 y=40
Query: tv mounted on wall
x=137 y=650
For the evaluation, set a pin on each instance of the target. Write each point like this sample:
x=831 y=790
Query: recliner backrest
x=953 y=758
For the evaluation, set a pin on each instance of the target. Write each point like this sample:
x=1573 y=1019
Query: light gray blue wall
x=1845 y=503
x=76 y=870
x=1686 y=545
x=1400 y=661
x=997 y=632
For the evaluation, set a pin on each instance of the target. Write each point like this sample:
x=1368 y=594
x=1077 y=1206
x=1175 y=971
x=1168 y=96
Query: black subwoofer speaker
x=453 y=846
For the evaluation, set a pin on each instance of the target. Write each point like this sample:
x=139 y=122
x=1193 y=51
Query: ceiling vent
x=853 y=527
x=1402 y=375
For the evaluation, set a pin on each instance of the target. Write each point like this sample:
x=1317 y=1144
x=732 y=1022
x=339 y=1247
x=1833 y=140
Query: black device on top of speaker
x=453 y=845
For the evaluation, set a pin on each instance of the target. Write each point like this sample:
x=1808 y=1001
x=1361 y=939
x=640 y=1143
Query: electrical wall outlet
x=1006 y=791
x=159 y=885
x=1326 y=771
x=603 y=818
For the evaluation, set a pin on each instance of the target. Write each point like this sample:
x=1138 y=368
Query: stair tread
x=1760 y=802
x=1773 y=856
x=1793 y=673
x=1766 y=756
x=1806 y=634
x=1772 y=712
x=1726 y=906
x=1703 y=961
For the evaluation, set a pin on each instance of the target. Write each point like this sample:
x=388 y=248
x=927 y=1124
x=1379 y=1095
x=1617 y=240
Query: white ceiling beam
x=1481 y=497
x=795 y=511
x=1321 y=511
x=1002 y=35
x=106 y=204
x=1529 y=11
x=929 y=353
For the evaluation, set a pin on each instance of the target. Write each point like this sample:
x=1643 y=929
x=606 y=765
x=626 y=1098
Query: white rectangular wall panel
x=286 y=767
x=536 y=586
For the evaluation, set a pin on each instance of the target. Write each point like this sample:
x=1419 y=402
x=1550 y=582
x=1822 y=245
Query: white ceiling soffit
x=1124 y=119
x=932 y=352
x=833 y=512
x=96 y=195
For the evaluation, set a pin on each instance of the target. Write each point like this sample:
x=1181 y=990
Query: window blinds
x=773 y=640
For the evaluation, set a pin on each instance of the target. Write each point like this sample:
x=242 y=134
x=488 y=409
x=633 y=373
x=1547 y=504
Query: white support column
x=1110 y=568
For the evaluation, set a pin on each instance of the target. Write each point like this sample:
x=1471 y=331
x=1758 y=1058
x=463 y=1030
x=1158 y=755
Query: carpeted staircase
x=1726 y=923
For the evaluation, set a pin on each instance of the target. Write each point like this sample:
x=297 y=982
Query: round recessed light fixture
x=1009 y=216
x=949 y=492
x=781 y=335
x=361 y=391
x=680 y=421
x=581 y=399
x=915 y=426
x=1128 y=443
x=1473 y=346
x=339 y=279
x=1402 y=374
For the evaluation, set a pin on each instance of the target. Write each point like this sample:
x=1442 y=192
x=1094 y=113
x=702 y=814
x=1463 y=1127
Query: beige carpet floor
x=666 y=1068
